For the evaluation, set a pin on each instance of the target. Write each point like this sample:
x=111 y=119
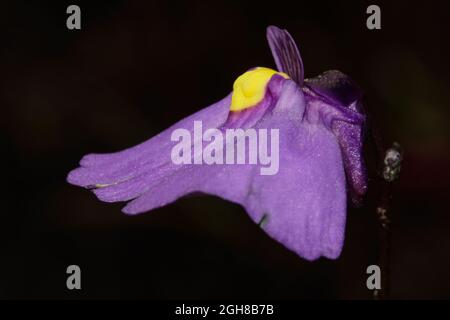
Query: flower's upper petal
x=285 y=53
x=336 y=99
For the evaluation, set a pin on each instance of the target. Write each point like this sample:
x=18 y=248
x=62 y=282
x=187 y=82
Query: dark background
x=137 y=67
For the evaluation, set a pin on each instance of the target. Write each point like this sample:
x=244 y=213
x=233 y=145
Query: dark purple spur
x=299 y=189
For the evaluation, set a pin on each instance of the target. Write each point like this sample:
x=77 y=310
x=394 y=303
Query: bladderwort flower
x=320 y=126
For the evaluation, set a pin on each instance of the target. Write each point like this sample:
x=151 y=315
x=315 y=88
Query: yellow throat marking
x=250 y=87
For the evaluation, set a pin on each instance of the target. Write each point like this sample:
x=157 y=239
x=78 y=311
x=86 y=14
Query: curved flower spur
x=316 y=131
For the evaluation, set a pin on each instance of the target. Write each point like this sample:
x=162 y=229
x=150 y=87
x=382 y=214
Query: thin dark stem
x=389 y=169
x=384 y=240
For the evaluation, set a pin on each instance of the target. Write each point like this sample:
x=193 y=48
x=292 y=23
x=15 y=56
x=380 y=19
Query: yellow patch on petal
x=250 y=87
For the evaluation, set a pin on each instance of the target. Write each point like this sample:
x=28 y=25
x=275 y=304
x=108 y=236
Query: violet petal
x=285 y=53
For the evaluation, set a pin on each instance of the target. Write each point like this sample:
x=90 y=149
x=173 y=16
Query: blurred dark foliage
x=137 y=67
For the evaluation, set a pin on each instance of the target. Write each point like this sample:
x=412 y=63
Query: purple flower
x=314 y=128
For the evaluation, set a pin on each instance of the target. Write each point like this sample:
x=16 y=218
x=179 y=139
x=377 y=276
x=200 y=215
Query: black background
x=137 y=67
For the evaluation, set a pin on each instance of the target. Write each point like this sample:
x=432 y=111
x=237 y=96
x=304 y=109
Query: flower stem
x=389 y=170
